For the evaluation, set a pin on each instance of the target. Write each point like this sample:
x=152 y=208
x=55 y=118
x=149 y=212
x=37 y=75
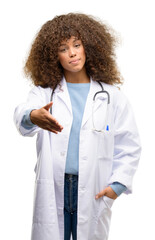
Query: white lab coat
x=104 y=158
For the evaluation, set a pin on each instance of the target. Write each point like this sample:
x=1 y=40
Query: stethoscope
x=106 y=126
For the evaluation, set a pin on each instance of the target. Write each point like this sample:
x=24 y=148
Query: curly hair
x=43 y=66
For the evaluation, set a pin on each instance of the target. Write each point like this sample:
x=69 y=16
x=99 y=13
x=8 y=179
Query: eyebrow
x=62 y=44
x=75 y=39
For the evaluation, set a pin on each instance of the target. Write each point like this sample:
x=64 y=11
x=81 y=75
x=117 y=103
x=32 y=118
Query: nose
x=72 y=52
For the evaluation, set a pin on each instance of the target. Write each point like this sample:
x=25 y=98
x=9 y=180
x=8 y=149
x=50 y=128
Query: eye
x=62 y=50
x=77 y=45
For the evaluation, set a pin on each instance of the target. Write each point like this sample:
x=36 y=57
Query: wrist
x=32 y=114
x=118 y=188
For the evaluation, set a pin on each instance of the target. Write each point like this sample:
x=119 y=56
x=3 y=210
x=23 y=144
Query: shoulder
x=40 y=94
x=116 y=93
x=118 y=99
x=40 y=91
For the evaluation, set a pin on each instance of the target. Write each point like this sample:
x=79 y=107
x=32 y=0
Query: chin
x=76 y=69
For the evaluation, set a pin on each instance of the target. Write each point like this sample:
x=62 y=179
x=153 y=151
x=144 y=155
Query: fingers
x=52 y=130
x=51 y=124
x=100 y=194
x=108 y=191
x=54 y=127
x=54 y=123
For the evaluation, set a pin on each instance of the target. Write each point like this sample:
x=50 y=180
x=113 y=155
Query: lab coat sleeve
x=35 y=100
x=127 y=146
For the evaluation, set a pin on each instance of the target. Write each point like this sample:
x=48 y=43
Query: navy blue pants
x=70 y=206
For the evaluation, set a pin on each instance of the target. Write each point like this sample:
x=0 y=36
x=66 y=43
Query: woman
x=87 y=141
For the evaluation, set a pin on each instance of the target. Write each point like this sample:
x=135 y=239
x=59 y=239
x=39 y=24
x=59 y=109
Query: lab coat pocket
x=105 y=146
x=104 y=218
x=108 y=201
x=44 y=210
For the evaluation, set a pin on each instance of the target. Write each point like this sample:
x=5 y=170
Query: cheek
x=62 y=60
x=84 y=57
x=83 y=54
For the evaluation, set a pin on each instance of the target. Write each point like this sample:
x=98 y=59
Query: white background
x=133 y=215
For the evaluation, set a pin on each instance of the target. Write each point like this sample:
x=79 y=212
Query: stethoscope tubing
x=102 y=91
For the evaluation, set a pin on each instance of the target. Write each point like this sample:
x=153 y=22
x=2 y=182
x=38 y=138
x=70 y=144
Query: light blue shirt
x=78 y=94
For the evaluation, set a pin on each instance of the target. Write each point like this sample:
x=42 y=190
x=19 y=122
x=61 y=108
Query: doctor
x=87 y=150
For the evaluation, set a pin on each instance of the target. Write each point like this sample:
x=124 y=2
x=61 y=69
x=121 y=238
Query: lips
x=74 y=61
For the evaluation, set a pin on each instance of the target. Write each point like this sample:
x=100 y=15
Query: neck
x=76 y=77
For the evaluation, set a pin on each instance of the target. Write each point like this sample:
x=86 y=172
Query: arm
x=30 y=117
x=126 y=149
x=34 y=101
x=26 y=120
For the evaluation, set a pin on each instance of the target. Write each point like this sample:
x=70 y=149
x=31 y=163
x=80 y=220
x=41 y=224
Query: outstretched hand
x=43 y=119
x=107 y=192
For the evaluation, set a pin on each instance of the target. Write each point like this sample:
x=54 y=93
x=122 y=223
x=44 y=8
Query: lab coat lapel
x=63 y=94
x=94 y=87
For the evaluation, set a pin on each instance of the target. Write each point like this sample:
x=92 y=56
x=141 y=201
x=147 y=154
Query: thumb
x=48 y=106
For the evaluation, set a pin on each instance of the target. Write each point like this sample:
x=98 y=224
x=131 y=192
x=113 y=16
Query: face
x=71 y=55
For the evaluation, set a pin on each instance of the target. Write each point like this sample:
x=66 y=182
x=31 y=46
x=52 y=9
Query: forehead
x=72 y=39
